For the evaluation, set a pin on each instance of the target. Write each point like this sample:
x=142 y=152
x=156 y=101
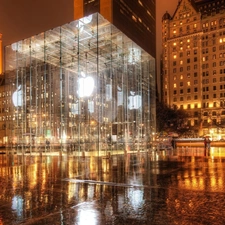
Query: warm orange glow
x=106 y=9
x=1 y=66
x=78 y=9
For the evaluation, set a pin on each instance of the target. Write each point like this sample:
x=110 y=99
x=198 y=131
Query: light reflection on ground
x=184 y=186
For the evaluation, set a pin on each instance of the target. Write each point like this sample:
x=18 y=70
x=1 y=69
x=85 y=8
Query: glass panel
x=80 y=87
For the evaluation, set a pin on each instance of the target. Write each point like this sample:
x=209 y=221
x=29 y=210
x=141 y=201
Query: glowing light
x=85 y=86
x=17 y=97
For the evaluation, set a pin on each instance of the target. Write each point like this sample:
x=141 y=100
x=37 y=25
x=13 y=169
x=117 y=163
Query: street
x=181 y=186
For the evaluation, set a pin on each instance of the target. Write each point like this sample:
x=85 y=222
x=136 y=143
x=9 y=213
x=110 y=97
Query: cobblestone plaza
x=147 y=188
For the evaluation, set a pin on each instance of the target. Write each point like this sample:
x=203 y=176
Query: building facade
x=84 y=84
x=193 y=64
x=1 y=58
x=136 y=19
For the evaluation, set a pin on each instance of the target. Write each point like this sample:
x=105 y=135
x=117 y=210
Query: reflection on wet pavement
x=166 y=187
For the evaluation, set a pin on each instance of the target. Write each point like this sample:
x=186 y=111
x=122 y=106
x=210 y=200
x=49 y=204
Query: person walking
x=205 y=143
x=208 y=142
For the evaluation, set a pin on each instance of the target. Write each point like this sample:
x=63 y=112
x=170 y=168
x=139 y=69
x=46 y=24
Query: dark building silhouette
x=136 y=19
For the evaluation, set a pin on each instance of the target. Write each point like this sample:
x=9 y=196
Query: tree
x=171 y=119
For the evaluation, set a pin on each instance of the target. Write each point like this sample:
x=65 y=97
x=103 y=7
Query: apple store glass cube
x=81 y=86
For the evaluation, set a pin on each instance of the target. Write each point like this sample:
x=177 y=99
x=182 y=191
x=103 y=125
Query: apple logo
x=17 y=97
x=119 y=96
x=134 y=101
x=85 y=86
x=108 y=92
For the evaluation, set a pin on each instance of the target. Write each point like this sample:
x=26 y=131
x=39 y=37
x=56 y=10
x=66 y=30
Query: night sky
x=20 y=19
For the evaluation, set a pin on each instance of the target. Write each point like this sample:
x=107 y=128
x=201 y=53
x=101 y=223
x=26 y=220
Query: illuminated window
x=189 y=83
x=181 y=62
x=174 y=77
x=174 y=31
x=181 y=77
x=174 y=24
x=188 y=40
x=134 y=18
x=174 y=43
x=181 y=22
x=175 y=85
x=140 y=2
x=175 y=56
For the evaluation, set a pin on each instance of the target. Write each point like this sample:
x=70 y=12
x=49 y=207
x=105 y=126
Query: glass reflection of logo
x=119 y=96
x=134 y=101
x=17 y=97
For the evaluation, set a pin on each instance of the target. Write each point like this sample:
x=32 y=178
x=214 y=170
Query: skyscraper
x=136 y=19
x=193 y=60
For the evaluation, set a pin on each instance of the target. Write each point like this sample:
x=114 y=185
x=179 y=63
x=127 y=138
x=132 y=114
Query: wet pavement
x=183 y=186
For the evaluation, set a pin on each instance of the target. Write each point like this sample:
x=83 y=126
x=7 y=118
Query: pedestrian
x=47 y=144
x=205 y=143
x=208 y=142
x=173 y=143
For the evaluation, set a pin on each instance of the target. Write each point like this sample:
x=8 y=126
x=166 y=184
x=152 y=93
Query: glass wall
x=81 y=86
